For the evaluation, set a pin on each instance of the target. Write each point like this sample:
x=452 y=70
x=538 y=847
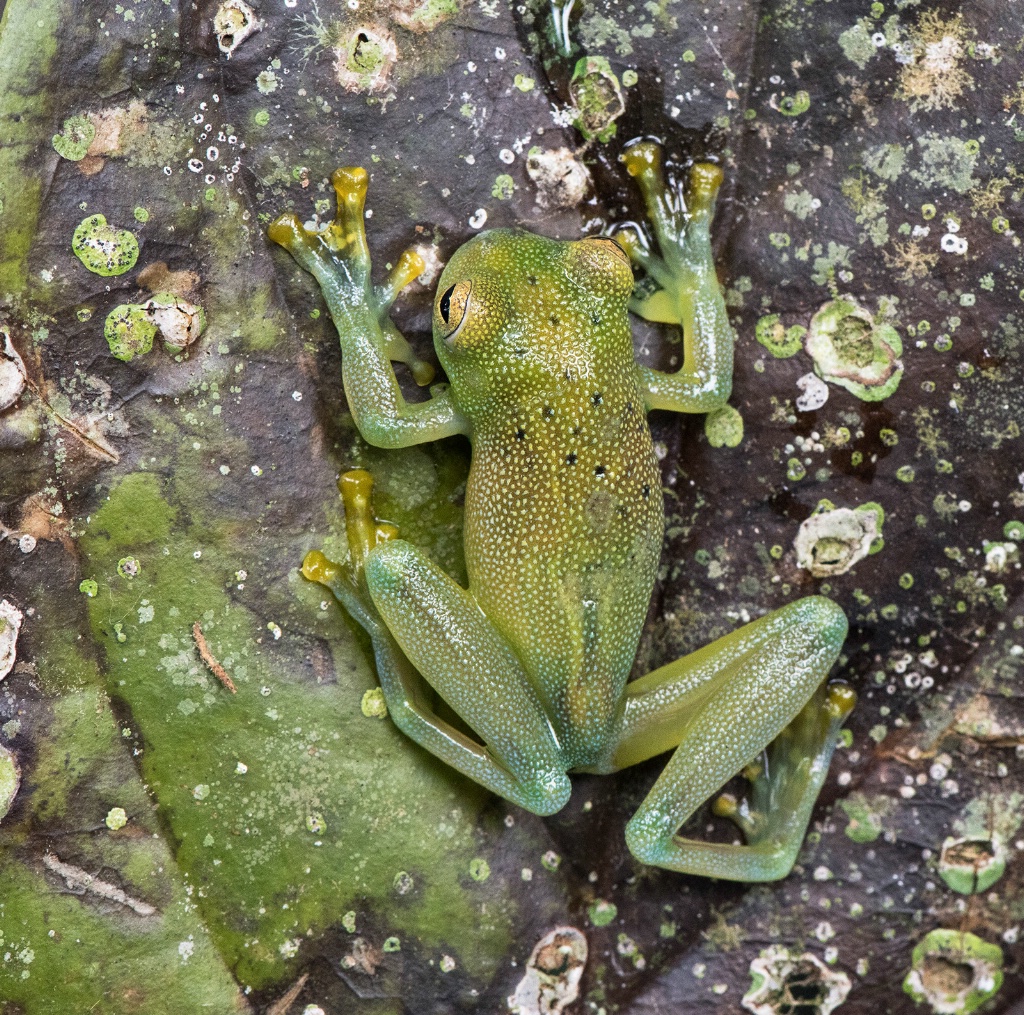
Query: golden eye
x=606 y=246
x=452 y=306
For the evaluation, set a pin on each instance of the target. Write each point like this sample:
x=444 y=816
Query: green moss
x=308 y=752
x=102 y=248
x=28 y=42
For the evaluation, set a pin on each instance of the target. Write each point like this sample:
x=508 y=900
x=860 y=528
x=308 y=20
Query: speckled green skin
x=563 y=530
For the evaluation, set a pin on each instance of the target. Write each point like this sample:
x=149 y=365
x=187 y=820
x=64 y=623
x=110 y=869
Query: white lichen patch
x=832 y=540
x=12 y=372
x=364 y=59
x=76 y=878
x=179 y=322
x=10 y=626
x=233 y=23
x=783 y=982
x=553 y=974
x=815 y=393
x=562 y=181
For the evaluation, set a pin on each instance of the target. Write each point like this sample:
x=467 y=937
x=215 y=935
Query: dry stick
x=286 y=1000
x=207 y=656
x=75 y=877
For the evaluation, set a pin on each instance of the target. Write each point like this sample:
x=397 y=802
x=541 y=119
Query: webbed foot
x=682 y=226
x=347 y=581
x=785 y=782
x=338 y=257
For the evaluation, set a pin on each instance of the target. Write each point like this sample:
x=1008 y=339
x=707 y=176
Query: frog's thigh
x=722 y=706
x=450 y=641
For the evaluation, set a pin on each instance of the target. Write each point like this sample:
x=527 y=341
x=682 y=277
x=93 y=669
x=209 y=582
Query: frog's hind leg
x=687 y=293
x=426 y=629
x=722 y=706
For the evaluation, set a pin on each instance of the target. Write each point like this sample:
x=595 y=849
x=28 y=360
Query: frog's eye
x=452 y=306
x=604 y=245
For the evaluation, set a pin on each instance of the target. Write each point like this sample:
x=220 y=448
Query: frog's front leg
x=722 y=706
x=689 y=293
x=338 y=257
x=425 y=627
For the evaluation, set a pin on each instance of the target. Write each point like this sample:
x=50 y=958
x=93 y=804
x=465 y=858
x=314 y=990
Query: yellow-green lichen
x=129 y=331
x=724 y=427
x=954 y=972
x=780 y=341
x=73 y=141
x=596 y=98
x=104 y=249
x=855 y=350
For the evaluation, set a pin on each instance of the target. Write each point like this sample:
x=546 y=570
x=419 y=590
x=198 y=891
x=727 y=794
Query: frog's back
x=564 y=514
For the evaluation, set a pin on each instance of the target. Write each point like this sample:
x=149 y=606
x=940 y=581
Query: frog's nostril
x=445 y=306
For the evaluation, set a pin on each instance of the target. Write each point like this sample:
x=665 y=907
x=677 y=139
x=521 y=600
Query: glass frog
x=563 y=531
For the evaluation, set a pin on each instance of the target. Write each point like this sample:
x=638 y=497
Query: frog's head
x=515 y=310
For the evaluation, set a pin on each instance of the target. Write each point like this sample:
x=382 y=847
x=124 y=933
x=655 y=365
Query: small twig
x=75 y=877
x=207 y=656
x=286 y=1000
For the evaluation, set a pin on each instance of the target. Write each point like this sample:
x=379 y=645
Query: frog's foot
x=347 y=581
x=786 y=781
x=338 y=257
x=682 y=226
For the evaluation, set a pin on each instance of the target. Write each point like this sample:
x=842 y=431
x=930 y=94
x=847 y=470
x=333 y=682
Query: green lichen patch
x=596 y=98
x=601 y=912
x=422 y=15
x=972 y=864
x=780 y=341
x=724 y=427
x=72 y=143
x=866 y=815
x=103 y=248
x=794 y=105
x=853 y=349
x=129 y=331
x=954 y=972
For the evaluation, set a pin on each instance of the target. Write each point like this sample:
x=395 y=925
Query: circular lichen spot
x=364 y=59
x=780 y=341
x=479 y=869
x=504 y=187
x=1014 y=531
x=854 y=350
x=103 y=248
x=794 y=105
x=129 y=567
x=129 y=331
x=88 y=587
x=954 y=971
x=73 y=141
x=116 y=818
x=833 y=539
x=601 y=913
x=724 y=427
